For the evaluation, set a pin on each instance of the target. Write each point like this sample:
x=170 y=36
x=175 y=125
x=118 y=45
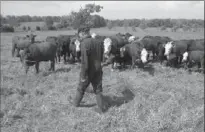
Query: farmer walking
x=91 y=69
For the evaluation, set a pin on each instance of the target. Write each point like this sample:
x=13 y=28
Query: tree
x=7 y=28
x=109 y=25
x=143 y=25
x=49 y=21
x=134 y=29
x=163 y=28
x=83 y=16
x=126 y=24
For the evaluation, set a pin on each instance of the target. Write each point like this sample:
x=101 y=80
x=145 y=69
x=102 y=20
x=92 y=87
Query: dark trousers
x=95 y=78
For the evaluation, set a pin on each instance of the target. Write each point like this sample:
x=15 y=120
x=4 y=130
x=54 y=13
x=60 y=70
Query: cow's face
x=122 y=51
x=31 y=37
x=107 y=45
x=77 y=45
x=185 y=56
x=131 y=39
x=144 y=55
x=168 y=47
x=93 y=35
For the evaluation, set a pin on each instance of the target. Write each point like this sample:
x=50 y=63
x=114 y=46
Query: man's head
x=84 y=32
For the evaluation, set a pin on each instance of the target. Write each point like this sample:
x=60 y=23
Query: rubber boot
x=99 y=99
x=78 y=98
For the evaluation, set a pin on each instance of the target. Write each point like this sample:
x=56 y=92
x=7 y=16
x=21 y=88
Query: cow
x=133 y=52
x=125 y=36
x=75 y=49
x=34 y=53
x=197 y=44
x=63 y=49
x=179 y=47
x=20 y=42
x=132 y=38
x=53 y=39
x=153 y=43
x=194 y=57
x=112 y=47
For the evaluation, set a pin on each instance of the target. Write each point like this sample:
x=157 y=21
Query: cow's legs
x=64 y=57
x=18 y=50
x=56 y=58
x=59 y=58
x=52 y=65
x=26 y=68
x=133 y=62
x=37 y=67
x=154 y=55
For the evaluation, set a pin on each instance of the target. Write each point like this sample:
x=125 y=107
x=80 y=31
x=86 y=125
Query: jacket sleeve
x=84 y=61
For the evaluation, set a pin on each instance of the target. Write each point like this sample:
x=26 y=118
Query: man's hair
x=85 y=29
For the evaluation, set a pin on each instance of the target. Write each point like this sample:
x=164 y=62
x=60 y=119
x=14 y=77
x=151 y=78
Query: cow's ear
x=163 y=45
x=27 y=36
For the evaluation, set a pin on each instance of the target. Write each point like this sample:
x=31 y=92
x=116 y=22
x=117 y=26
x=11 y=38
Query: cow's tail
x=13 y=49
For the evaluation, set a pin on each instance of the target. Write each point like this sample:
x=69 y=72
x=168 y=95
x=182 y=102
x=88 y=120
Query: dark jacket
x=92 y=56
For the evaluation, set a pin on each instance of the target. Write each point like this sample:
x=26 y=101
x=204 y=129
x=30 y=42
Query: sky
x=111 y=9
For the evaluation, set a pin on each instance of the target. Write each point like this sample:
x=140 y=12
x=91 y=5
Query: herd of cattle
x=119 y=48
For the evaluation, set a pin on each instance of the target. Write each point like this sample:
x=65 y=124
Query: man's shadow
x=149 y=68
x=111 y=101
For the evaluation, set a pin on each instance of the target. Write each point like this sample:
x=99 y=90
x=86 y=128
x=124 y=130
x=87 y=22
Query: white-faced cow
x=133 y=52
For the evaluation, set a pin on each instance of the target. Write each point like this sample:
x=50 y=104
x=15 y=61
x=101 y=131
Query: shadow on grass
x=150 y=69
x=56 y=71
x=118 y=101
x=111 y=101
x=88 y=105
x=63 y=70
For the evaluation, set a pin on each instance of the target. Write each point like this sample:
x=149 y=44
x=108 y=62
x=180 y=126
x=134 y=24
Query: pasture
x=156 y=99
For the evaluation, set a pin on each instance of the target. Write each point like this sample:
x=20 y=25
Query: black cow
x=37 y=52
x=197 y=44
x=179 y=47
x=112 y=47
x=53 y=39
x=133 y=52
x=63 y=42
x=194 y=57
x=153 y=43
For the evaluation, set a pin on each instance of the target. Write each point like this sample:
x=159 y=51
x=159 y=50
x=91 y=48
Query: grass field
x=158 y=99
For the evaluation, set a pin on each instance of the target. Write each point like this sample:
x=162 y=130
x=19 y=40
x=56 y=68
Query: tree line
x=86 y=16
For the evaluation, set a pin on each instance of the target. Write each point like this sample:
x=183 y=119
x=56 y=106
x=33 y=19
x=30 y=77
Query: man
x=91 y=70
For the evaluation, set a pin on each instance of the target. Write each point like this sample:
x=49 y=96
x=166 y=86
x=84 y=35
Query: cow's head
x=94 y=35
x=31 y=37
x=144 y=55
x=185 y=56
x=77 y=45
x=131 y=39
x=107 y=46
x=168 y=48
